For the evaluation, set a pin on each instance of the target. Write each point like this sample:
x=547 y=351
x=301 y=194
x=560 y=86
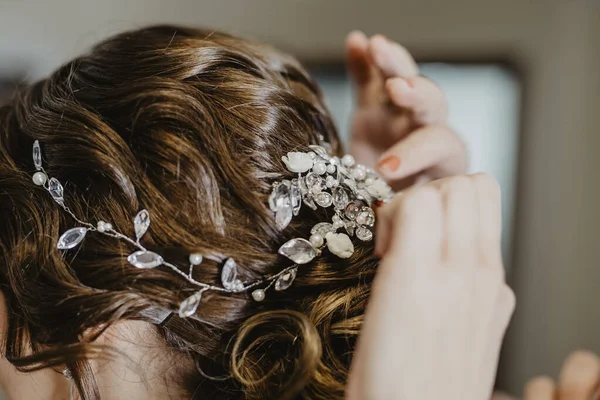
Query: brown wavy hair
x=191 y=125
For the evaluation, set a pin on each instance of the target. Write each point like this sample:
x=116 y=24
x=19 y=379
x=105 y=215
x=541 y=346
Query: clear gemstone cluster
x=323 y=181
x=329 y=182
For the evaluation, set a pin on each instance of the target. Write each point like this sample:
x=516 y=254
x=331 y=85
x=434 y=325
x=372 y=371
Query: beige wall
x=555 y=43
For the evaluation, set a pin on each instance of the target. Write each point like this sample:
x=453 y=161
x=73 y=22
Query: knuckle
x=419 y=198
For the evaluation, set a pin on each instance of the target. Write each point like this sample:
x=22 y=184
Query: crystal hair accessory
x=323 y=180
x=327 y=181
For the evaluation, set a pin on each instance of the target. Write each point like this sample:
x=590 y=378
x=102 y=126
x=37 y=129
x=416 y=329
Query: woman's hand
x=579 y=380
x=439 y=306
x=401 y=122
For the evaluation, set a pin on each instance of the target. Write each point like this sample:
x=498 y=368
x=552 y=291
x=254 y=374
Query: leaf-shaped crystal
x=144 y=259
x=323 y=199
x=351 y=211
x=56 y=190
x=141 y=223
x=364 y=234
x=321 y=152
x=229 y=274
x=71 y=238
x=285 y=280
x=295 y=198
x=283 y=216
x=363 y=194
x=309 y=202
x=322 y=228
x=189 y=306
x=298 y=250
x=280 y=196
x=349 y=225
x=366 y=217
x=340 y=198
x=37 y=155
x=351 y=184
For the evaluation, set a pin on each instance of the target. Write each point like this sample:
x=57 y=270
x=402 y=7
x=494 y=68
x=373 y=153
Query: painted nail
x=389 y=164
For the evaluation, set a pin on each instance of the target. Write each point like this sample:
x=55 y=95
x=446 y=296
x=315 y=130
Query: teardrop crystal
x=322 y=228
x=229 y=274
x=298 y=250
x=71 y=238
x=56 y=190
x=286 y=279
x=295 y=198
x=308 y=200
x=366 y=217
x=141 y=223
x=349 y=225
x=364 y=234
x=189 y=306
x=351 y=211
x=280 y=196
x=324 y=199
x=283 y=216
x=37 y=155
x=340 y=198
x=144 y=259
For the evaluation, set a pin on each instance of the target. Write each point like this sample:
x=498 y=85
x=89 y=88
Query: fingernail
x=389 y=164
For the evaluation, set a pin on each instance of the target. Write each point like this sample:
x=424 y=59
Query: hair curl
x=191 y=125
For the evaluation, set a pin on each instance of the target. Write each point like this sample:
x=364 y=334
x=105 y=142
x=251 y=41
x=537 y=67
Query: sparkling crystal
x=144 y=259
x=366 y=217
x=189 y=306
x=324 y=199
x=229 y=274
x=71 y=238
x=37 y=155
x=280 y=196
x=340 y=198
x=351 y=211
x=141 y=223
x=364 y=234
x=309 y=202
x=283 y=216
x=349 y=225
x=56 y=190
x=298 y=250
x=321 y=152
x=314 y=182
x=286 y=279
x=295 y=198
x=322 y=228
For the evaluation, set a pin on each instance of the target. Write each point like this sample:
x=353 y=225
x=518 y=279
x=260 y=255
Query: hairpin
x=323 y=180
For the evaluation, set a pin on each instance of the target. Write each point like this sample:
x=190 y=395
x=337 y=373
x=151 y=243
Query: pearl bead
x=348 y=160
x=195 y=258
x=336 y=218
x=320 y=168
x=39 y=178
x=338 y=224
x=312 y=155
x=331 y=169
x=101 y=226
x=369 y=181
x=107 y=226
x=330 y=182
x=258 y=295
x=359 y=174
x=316 y=240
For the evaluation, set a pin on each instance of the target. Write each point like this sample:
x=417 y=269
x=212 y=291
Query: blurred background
x=523 y=82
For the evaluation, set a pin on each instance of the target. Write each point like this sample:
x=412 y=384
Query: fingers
x=490 y=221
x=391 y=58
x=434 y=149
x=419 y=95
x=417 y=225
x=541 y=388
x=579 y=376
x=367 y=78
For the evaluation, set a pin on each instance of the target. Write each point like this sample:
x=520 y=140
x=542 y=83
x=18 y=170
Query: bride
x=179 y=221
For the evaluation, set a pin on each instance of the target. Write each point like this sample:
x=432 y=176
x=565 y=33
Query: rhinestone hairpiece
x=323 y=180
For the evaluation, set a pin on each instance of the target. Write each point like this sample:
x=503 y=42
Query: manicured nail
x=389 y=164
